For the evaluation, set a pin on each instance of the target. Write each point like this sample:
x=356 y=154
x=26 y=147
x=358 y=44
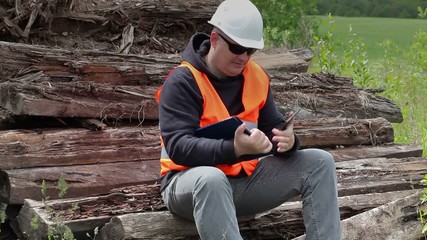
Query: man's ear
x=214 y=39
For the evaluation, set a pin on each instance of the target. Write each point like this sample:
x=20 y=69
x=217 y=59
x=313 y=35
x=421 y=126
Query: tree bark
x=89 y=71
x=328 y=95
x=78 y=99
x=379 y=174
x=64 y=65
x=345 y=131
x=387 y=150
x=82 y=180
x=394 y=220
x=354 y=177
x=39 y=95
x=163 y=25
x=283 y=220
x=67 y=147
x=134 y=210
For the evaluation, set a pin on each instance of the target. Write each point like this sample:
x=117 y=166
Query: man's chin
x=234 y=72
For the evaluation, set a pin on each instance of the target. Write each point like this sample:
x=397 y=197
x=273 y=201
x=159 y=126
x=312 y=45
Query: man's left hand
x=285 y=139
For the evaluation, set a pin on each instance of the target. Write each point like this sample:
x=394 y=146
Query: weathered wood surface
x=42 y=95
x=163 y=25
x=282 y=60
x=380 y=174
x=83 y=180
x=92 y=212
x=354 y=177
x=84 y=155
x=344 y=131
x=329 y=95
x=394 y=220
x=62 y=69
x=364 y=151
x=285 y=219
x=135 y=209
x=78 y=99
x=64 y=65
x=5 y=118
x=106 y=67
x=66 y=147
x=93 y=99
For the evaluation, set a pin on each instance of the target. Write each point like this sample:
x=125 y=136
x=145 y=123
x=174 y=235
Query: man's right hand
x=256 y=143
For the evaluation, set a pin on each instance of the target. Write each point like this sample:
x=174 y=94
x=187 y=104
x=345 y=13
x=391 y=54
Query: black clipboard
x=221 y=130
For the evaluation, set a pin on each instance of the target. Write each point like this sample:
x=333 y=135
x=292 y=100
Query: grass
x=392 y=54
x=376 y=30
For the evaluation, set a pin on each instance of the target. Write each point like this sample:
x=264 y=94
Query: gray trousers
x=214 y=201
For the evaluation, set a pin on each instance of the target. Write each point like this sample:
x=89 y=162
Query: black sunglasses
x=236 y=48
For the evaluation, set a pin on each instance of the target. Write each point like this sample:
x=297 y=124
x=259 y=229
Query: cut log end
x=112 y=230
x=4 y=187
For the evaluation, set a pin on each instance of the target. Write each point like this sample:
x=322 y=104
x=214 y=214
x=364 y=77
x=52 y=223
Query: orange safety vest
x=255 y=91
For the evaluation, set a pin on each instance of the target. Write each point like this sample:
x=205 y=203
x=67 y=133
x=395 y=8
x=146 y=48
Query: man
x=215 y=181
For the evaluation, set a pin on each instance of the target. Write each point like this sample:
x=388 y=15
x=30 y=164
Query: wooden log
x=280 y=61
x=96 y=211
x=394 y=220
x=77 y=146
x=329 y=95
x=318 y=94
x=4 y=187
x=303 y=53
x=91 y=212
x=346 y=131
x=102 y=21
x=364 y=151
x=5 y=118
x=354 y=177
x=64 y=65
x=67 y=147
x=28 y=156
x=101 y=66
x=163 y=225
x=380 y=174
x=78 y=99
x=83 y=180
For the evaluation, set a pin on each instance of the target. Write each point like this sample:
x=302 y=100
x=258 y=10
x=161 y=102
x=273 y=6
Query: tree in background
x=285 y=23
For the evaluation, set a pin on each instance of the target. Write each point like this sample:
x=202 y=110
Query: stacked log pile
x=85 y=111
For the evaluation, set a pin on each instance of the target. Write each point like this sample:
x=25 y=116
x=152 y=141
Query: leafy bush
x=285 y=24
x=401 y=73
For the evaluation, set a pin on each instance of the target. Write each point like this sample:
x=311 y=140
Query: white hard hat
x=241 y=21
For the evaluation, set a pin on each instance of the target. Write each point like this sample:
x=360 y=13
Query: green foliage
x=422 y=212
x=324 y=50
x=63 y=187
x=422 y=13
x=374 y=31
x=419 y=50
x=59 y=231
x=3 y=216
x=402 y=73
x=353 y=63
x=369 y=8
x=35 y=222
x=285 y=24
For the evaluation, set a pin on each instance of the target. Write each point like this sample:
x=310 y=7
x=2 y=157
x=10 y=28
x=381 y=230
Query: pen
x=289 y=119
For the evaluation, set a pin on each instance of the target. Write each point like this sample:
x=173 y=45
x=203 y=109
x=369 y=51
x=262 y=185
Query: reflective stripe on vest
x=254 y=96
